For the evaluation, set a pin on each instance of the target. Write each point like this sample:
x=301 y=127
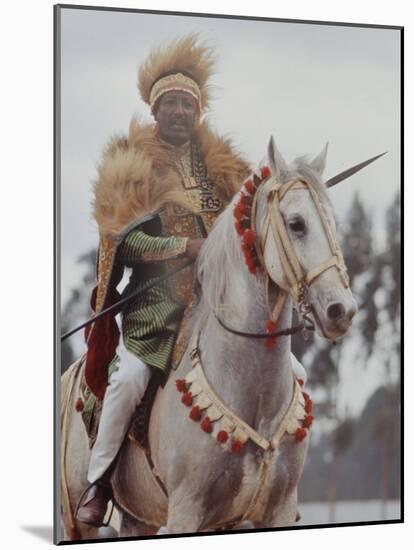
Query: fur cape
x=137 y=175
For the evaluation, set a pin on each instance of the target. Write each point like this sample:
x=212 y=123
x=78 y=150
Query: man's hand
x=193 y=248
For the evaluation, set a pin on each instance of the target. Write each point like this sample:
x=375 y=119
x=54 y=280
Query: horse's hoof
x=107 y=532
x=246 y=524
x=162 y=531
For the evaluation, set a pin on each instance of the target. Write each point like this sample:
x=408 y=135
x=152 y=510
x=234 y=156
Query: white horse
x=274 y=248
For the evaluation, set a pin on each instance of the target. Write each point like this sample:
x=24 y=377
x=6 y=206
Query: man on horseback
x=158 y=193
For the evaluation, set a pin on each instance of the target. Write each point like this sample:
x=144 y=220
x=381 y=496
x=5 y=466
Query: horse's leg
x=283 y=515
x=185 y=513
x=132 y=527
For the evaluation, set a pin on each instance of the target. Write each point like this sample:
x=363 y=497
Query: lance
x=329 y=183
x=125 y=300
x=351 y=171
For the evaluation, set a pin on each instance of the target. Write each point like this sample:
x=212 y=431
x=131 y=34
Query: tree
x=77 y=307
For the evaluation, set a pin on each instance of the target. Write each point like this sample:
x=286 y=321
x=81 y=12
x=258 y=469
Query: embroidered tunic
x=149 y=199
x=150 y=322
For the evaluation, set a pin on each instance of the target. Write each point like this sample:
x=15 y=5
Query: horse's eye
x=297 y=225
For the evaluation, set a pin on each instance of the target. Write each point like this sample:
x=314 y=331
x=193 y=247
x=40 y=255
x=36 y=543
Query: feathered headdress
x=184 y=65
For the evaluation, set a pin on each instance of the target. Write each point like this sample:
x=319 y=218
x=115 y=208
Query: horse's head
x=297 y=235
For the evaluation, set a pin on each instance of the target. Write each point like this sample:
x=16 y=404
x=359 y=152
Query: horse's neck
x=254 y=381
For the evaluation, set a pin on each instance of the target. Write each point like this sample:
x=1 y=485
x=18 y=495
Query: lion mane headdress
x=185 y=65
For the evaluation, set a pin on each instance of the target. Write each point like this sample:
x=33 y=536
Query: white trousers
x=124 y=392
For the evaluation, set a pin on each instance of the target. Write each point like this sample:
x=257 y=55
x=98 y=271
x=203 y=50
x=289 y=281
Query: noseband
x=297 y=279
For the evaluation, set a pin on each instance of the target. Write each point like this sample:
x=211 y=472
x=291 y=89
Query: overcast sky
x=305 y=84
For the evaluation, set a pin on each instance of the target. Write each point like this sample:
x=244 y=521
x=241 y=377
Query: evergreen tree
x=77 y=307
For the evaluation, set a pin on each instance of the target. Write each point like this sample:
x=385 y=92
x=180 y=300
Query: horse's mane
x=301 y=167
x=218 y=266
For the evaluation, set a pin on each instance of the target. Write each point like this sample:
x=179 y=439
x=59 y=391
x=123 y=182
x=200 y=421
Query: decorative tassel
x=222 y=436
x=249 y=236
x=307 y=421
x=300 y=381
x=308 y=407
x=249 y=186
x=187 y=399
x=308 y=403
x=246 y=200
x=181 y=385
x=271 y=326
x=195 y=413
x=79 y=405
x=300 y=435
x=265 y=172
x=237 y=446
x=271 y=342
x=239 y=211
x=206 y=425
x=245 y=224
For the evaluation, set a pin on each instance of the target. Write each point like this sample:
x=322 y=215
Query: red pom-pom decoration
x=300 y=381
x=249 y=186
x=308 y=406
x=307 y=421
x=222 y=436
x=300 y=435
x=181 y=385
x=308 y=402
x=237 y=446
x=79 y=405
x=187 y=399
x=271 y=326
x=265 y=172
x=239 y=211
x=249 y=236
x=246 y=248
x=195 y=413
x=271 y=343
x=206 y=425
x=246 y=200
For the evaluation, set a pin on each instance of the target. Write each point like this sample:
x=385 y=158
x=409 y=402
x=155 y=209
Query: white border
x=27 y=281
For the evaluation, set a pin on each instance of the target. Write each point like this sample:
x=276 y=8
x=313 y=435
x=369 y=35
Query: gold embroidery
x=106 y=258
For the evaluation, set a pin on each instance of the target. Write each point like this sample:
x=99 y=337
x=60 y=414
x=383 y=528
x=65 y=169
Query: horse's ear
x=276 y=161
x=319 y=162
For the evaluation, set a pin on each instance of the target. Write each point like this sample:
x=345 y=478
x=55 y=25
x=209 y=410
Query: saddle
x=91 y=406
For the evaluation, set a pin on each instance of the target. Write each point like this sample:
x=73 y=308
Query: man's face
x=176 y=115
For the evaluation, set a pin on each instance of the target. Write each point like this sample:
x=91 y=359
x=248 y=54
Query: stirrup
x=105 y=524
x=78 y=505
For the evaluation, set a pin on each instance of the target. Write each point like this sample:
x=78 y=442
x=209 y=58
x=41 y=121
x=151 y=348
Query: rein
x=309 y=326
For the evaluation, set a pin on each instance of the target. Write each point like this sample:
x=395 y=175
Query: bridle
x=298 y=280
x=299 y=285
